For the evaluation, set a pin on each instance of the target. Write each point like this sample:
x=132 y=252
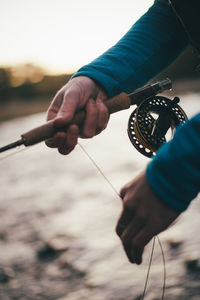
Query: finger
x=72 y=135
x=65 y=151
x=70 y=141
x=129 y=233
x=57 y=141
x=103 y=115
x=67 y=110
x=125 y=218
x=90 y=124
x=138 y=244
x=123 y=192
x=54 y=107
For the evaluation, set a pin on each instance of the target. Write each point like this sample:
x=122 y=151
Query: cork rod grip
x=48 y=130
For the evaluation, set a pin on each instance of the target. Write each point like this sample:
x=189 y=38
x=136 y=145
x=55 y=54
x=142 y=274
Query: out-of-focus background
x=58 y=214
x=44 y=42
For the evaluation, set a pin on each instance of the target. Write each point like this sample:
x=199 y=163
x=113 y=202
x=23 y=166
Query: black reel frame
x=148 y=133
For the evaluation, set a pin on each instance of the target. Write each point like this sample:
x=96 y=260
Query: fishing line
x=116 y=192
x=154 y=238
x=99 y=169
x=149 y=268
x=164 y=268
x=13 y=153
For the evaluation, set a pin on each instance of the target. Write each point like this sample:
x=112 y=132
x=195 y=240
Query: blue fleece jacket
x=151 y=45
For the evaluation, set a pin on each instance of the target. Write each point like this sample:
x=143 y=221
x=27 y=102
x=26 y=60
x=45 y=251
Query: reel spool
x=150 y=121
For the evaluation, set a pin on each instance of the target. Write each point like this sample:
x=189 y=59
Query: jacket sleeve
x=174 y=173
x=152 y=43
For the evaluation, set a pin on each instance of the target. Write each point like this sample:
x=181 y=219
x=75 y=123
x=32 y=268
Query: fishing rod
x=146 y=132
x=147 y=127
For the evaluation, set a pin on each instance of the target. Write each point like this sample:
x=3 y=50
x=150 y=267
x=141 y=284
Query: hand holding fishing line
x=79 y=93
x=143 y=216
x=153 y=200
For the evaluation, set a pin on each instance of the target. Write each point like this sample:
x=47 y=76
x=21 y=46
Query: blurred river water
x=58 y=217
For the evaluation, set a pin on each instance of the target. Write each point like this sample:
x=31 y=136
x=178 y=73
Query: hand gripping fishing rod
x=145 y=132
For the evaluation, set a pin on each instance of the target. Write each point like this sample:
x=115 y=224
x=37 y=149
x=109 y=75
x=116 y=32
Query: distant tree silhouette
x=28 y=81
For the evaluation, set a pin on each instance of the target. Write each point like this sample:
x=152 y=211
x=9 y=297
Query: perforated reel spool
x=143 y=119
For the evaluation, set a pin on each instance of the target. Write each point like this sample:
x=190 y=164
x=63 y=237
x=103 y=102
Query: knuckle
x=71 y=90
x=122 y=192
x=119 y=229
x=103 y=108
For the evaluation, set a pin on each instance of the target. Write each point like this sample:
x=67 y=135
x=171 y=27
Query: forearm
x=174 y=173
x=152 y=43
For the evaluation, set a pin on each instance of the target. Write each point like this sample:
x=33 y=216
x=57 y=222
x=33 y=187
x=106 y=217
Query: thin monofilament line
x=116 y=192
x=99 y=169
x=164 y=268
x=149 y=267
x=13 y=153
x=153 y=246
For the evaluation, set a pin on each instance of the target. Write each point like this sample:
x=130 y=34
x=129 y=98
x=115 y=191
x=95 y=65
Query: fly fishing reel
x=150 y=123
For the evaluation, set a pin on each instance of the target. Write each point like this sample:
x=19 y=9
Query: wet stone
x=53 y=248
x=47 y=253
x=192 y=264
x=60 y=243
x=3 y=235
x=175 y=243
x=6 y=274
x=89 y=262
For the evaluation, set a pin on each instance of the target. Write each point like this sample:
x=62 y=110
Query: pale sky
x=63 y=35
